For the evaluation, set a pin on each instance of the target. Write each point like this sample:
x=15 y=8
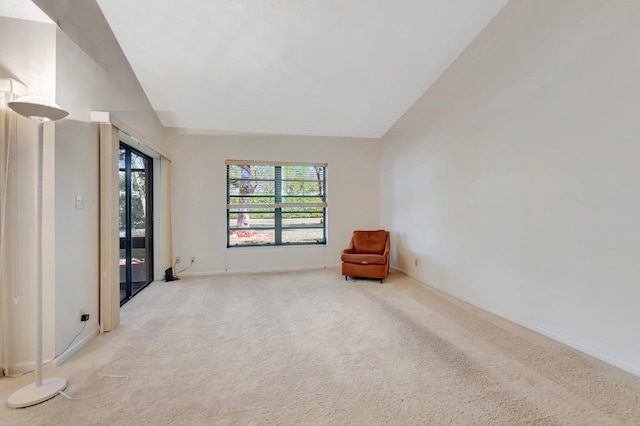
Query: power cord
x=84 y=325
x=174 y=276
x=100 y=374
x=80 y=398
x=179 y=272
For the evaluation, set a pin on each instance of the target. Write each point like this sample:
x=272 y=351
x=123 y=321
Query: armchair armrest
x=349 y=250
x=387 y=247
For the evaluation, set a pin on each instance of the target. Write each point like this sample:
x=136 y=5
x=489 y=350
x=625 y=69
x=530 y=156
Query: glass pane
x=251 y=184
x=138 y=223
x=253 y=220
x=251 y=237
x=123 y=271
x=309 y=173
x=292 y=236
x=138 y=204
x=302 y=181
x=138 y=259
x=302 y=199
x=137 y=161
x=259 y=187
x=246 y=218
x=303 y=211
x=122 y=223
x=301 y=221
x=299 y=188
x=251 y=172
x=121 y=159
x=302 y=216
x=122 y=210
x=251 y=199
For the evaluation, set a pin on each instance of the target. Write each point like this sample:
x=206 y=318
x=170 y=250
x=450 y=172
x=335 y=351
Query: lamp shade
x=37 y=108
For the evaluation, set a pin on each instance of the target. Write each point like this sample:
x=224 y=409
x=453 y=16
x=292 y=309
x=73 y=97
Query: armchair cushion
x=369 y=242
x=364 y=259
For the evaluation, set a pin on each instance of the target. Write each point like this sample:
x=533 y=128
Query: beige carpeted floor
x=310 y=348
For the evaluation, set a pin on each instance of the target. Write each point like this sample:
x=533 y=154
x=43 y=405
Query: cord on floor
x=100 y=374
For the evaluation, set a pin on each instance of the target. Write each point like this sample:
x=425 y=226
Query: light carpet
x=309 y=348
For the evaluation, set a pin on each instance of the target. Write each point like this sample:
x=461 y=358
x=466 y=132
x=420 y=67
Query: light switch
x=79 y=201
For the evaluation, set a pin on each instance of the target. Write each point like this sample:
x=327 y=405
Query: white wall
x=77 y=236
x=514 y=180
x=82 y=86
x=199 y=198
x=50 y=64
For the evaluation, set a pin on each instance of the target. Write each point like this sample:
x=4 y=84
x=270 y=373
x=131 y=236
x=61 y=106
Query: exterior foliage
x=275 y=204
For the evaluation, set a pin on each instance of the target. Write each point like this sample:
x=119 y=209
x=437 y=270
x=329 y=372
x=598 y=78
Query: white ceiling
x=23 y=9
x=299 y=67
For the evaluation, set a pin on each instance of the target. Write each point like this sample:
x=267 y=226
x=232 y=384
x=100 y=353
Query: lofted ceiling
x=298 y=67
x=21 y=9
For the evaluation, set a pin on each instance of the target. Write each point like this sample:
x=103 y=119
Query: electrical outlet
x=177 y=259
x=84 y=317
x=193 y=259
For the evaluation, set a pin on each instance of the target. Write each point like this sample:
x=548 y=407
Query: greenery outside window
x=275 y=203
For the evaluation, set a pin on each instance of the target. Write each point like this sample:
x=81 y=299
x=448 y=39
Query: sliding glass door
x=136 y=222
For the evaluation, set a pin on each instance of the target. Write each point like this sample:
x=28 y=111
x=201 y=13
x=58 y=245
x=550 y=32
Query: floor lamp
x=41 y=110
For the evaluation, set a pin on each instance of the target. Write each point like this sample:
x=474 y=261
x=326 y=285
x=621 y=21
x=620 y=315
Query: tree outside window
x=275 y=204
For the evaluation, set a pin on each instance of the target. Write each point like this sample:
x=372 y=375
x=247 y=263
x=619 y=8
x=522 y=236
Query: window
x=275 y=203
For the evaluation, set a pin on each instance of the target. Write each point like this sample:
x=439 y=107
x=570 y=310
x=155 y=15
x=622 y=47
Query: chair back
x=369 y=242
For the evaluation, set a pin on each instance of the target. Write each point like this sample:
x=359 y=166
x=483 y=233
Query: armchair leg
x=346 y=278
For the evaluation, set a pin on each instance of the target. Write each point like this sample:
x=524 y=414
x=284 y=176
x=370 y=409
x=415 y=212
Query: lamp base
x=32 y=394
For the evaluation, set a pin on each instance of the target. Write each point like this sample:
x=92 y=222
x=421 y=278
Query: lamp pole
x=40 y=110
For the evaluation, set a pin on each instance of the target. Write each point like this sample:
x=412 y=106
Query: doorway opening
x=136 y=221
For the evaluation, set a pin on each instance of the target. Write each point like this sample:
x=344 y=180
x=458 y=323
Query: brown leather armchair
x=367 y=255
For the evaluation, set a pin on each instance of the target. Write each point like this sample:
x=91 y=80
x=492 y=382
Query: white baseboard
x=395 y=268
x=29 y=366
x=19 y=368
x=630 y=368
x=259 y=270
x=633 y=369
x=76 y=347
